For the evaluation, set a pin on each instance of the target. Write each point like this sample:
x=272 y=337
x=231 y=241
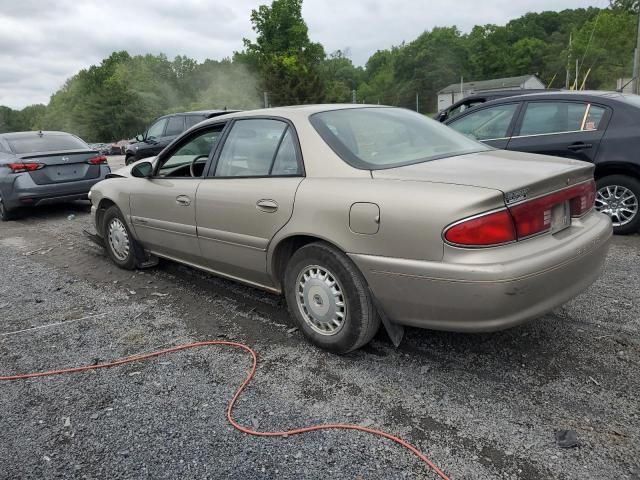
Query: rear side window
x=175 y=125
x=286 y=161
x=488 y=123
x=593 y=118
x=553 y=117
x=192 y=120
x=46 y=143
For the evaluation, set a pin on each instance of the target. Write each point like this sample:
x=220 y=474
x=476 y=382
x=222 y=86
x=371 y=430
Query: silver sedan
x=362 y=214
x=37 y=168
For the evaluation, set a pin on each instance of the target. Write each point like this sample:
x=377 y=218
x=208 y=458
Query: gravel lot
x=480 y=406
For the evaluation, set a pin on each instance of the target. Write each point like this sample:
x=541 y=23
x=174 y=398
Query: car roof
x=568 y=94
x=205 y=113
x=300 y=111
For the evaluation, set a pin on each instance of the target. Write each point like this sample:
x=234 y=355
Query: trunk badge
x=518 y=195
x=65 y=159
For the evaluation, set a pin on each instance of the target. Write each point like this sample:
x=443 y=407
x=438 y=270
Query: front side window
x=175 y=126
x=157 y=129
x=252 y=148
x=387 y=137
x=488 y=123
x=552 y=117
x=192 y=156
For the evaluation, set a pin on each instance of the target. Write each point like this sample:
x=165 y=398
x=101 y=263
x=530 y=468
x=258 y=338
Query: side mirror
x=442 y=116
x=142 y=170
x=140 y=137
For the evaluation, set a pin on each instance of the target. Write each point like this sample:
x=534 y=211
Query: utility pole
x=266 y=100
x=417 y=102
x=566 y=82
x=353 y=96
x=577 y=74
x=636 y=62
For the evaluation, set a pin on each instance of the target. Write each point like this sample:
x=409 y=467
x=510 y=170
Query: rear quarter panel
x=413 y=214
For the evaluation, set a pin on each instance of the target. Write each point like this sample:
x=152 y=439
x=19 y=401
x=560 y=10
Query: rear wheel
x=329 y=299
x=5 y=213
x=129 y=159
x=618 y=196
x=123 y=249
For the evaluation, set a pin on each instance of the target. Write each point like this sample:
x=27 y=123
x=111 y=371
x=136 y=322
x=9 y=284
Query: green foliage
x=122 y=95
x=288 y=62
x=632 y=6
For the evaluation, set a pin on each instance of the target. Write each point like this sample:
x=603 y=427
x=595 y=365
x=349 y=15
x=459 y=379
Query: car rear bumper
x=24 y=192
x=490 y=289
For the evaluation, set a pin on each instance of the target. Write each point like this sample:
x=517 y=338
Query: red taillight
x=585 y=199
x=25 y=167
x=534 y=216
x=97 y=160
x=520 y=221
x=483 y=231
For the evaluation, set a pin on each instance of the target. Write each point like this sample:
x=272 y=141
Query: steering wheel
x=193 y=164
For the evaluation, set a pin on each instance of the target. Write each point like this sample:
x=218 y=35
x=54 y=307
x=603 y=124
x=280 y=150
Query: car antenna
x=40 y=134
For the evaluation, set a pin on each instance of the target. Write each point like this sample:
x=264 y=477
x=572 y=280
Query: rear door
x=570 y=129
x=492 y=125
x=248 y=197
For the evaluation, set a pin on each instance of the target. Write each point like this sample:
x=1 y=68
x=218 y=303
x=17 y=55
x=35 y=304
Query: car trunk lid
x=60 y=167
x=517 y=175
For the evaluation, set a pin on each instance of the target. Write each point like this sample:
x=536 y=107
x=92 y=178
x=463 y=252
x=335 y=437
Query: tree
x=632 y=6
x=287 y=61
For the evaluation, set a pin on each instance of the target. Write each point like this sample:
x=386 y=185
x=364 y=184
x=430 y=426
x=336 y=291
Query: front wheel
x=618 y=196
x=129 y=159
x=123 y=249
x=329 y=299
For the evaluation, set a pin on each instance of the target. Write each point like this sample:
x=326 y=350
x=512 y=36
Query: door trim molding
x=165 y=226
x=239 y=239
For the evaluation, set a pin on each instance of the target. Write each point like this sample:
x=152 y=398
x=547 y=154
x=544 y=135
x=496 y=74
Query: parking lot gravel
x=480 y=406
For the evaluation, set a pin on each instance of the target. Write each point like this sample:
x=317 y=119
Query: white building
x=457 y=91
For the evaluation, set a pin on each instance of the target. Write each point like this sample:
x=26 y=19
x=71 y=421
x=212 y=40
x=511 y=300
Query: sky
x=42 y=43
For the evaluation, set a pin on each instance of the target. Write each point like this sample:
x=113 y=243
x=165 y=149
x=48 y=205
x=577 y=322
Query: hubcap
x=618 y=202
x=119 y=239
x=321 y=300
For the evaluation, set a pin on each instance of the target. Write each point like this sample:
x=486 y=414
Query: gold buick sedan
x=360 y=215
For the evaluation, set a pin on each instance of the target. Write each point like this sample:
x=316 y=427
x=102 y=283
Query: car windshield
x=375 y=138
x=45 y=143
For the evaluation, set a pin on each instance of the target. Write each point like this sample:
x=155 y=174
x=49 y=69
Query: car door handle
x=579 y=146
x=183 y=200
x=266 y=205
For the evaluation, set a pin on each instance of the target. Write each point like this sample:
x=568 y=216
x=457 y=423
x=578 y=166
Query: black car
x=478 y=99
x=163 y=130
x=598 y=127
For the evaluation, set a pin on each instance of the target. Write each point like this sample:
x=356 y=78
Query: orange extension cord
x=234 y=400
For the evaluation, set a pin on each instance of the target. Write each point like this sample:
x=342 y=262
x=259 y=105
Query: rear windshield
x=46 y=143
x=376 y=138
